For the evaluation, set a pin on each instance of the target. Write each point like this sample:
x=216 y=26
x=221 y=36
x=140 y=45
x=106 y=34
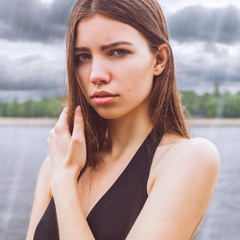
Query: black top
x=114 y=214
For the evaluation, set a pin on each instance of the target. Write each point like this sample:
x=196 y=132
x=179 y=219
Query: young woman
x=121 y=164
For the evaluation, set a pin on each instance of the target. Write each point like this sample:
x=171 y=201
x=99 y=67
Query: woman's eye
x=83 y=57
x=119 y=52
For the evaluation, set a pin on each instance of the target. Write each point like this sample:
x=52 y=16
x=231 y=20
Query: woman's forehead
x=100 y=28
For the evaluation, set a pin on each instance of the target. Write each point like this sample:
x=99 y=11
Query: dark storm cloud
x=23 y=96
x=29 y=73
x=201 y=73
x=197 y=23
x=211 y=75
x=31 y=20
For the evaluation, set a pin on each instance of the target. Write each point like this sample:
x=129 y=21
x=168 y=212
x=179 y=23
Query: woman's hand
x=67 y=152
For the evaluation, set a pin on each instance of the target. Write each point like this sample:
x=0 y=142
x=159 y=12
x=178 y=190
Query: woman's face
x=115 y=66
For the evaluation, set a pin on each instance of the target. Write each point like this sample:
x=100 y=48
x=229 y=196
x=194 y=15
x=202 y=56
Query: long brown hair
x=166 y=110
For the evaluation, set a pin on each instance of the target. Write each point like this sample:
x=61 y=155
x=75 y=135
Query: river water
x=24 y=148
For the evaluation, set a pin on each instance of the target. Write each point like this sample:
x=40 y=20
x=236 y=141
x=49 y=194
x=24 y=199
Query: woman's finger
x=78 y=128
x=63 y=118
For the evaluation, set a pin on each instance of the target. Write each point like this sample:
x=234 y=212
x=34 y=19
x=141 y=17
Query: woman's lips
x=103 y=100
x=103 y=97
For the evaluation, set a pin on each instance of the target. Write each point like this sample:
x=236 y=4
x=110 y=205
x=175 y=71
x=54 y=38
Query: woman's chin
x=109 y=114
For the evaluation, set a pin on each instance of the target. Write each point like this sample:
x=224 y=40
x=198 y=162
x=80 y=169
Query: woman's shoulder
x=193 y=155
x=193 y=149
x=198 y=150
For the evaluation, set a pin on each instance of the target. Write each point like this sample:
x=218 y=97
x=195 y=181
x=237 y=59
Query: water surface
x=24 y=148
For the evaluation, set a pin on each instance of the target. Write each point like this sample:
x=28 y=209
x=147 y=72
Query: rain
x=205 y=38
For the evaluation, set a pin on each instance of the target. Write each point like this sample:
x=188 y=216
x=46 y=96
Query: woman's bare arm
x=68 y=156
x=42 y=197
x=72 y=223
x=183 y=187
x=58 y=178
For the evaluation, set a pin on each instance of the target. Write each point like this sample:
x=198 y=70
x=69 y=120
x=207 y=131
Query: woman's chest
x=95 y=187
x=92 y=187
x=111 y=204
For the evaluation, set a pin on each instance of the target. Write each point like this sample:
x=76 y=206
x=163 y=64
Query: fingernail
x=78 y=110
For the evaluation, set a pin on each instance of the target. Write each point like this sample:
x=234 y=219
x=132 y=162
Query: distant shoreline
x=27 y=121
x=214 y=122
x=52 y=121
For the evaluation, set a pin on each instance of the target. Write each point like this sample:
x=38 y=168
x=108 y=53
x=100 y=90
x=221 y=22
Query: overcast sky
x=205 y=36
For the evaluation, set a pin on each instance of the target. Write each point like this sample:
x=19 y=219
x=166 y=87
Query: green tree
x=210 y=107
x=190 y=101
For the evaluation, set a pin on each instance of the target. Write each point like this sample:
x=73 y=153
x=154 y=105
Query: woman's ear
x=161 y=58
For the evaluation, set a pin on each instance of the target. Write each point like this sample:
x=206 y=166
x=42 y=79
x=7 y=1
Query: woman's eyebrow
x=81 y=49
x=104 y=47
x=114 y=44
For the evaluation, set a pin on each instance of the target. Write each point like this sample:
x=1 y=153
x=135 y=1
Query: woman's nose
x=99 y=73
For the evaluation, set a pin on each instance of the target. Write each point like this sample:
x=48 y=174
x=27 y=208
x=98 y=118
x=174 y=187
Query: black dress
x=114 y=214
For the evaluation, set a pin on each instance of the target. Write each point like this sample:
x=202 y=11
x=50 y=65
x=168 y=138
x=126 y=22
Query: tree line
x=215 y=105
x=207 y=105
x=45 y=108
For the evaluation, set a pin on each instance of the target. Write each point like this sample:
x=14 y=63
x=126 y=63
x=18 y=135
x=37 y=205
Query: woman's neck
x=128 y=131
